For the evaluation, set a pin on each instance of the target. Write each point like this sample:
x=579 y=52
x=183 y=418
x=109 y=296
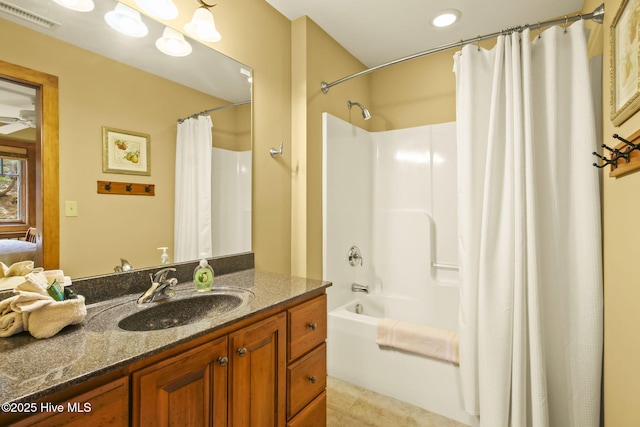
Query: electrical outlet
x=71 y=208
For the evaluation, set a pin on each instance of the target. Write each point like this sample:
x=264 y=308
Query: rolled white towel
x=5 y=305
x=50 y=319
x=11 y=324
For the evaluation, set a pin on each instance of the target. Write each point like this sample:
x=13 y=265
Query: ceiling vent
x=26 y=15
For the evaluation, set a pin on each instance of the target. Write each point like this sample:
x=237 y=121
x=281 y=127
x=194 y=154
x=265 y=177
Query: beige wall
x=414 y=93
x=232 y=128
x=621 y=205
x=316 y=58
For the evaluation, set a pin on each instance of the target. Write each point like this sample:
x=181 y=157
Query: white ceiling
x=378 y=31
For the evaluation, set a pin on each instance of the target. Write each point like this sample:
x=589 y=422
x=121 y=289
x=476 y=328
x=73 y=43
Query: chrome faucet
x=160 y=286
x=355 y=287
x=124 y=267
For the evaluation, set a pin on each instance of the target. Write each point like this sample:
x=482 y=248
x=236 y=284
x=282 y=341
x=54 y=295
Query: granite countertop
x=31 y=369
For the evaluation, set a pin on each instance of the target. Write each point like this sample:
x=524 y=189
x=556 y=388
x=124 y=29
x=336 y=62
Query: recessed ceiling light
x=446 y=17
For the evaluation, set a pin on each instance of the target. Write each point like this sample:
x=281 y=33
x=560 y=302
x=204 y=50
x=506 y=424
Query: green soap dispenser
x=203 y=276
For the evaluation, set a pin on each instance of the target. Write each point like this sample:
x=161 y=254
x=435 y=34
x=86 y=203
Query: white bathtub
x=354 y=357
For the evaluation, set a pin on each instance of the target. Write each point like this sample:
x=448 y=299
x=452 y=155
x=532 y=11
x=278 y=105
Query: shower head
x=365 y=113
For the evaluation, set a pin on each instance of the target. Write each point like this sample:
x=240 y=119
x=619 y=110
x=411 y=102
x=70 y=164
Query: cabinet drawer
x=307 y=326
x=314 y=415
x=306 y=379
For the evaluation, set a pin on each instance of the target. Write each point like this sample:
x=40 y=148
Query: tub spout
x=355 y=287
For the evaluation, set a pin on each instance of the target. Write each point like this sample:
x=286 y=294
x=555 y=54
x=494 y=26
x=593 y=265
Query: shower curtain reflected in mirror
x=530 y=321
x=192 y=230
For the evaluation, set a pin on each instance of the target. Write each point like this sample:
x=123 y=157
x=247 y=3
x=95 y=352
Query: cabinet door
x=257 y=387
x=107 y=405
x=185 y=390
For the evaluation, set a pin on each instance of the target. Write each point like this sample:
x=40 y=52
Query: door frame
x=47 y=170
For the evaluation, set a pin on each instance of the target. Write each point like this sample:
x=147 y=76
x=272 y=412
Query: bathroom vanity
x=260 y=364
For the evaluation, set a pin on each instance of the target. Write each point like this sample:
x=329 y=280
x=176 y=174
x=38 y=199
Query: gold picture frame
x=125 y=152
x=625 y=70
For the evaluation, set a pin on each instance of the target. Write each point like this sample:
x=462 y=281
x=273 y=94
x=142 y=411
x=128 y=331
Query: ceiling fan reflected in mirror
x=10 y=124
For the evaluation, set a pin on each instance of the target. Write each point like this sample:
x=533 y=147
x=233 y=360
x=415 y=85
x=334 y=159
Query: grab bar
x=445 y=266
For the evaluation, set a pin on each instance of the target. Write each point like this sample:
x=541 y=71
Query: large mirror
x=109 y=80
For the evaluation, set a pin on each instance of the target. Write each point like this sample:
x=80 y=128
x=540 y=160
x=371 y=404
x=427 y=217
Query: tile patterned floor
x=352 y=406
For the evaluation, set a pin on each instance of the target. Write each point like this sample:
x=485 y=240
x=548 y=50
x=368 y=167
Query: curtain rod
x=224 y=107
x=597 y=16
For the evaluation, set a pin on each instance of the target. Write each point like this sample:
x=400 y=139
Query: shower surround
x=230 y=201
x=393 y=195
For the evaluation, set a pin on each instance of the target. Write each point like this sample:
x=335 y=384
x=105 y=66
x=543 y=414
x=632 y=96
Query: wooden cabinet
x=307 y=369
x=266 y=371
x=257 y=386
x=186 y=390
x=236 y=380
x=107 y=405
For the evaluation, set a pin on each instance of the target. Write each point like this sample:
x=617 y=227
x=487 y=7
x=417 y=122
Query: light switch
x=71 y=208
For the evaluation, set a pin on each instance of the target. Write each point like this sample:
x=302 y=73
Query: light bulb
x=173 y=43
x=202 y=26
x=126 y=21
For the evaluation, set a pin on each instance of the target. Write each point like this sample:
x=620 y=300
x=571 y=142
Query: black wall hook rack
x=623 y=158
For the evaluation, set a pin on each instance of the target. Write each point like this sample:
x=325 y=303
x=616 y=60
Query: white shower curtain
x=529 y=232
x=192 y=229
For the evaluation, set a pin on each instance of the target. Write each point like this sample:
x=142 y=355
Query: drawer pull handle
x=223 y=361
x=312 y=326
x=312 y=379
x=242 y=352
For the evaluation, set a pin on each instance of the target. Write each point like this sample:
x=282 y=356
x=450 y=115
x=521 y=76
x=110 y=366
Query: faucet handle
x=161 y=275
x=355 y=256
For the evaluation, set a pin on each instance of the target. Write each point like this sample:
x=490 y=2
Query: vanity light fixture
x=173 y=43
x=161 y=9
x=126 y=21
x=77 y=5
x=446 y=17
x=203 y=26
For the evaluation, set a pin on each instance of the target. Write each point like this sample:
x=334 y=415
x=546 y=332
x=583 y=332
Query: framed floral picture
x=125 y=152
x=625 y=73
